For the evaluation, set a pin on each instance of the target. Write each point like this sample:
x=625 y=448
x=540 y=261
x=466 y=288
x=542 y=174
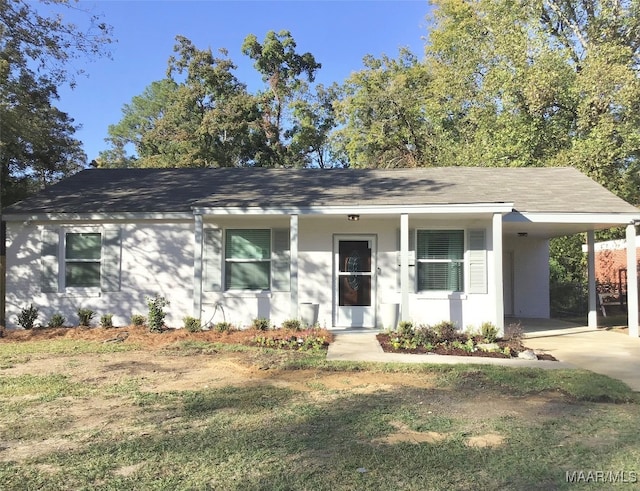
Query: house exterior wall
x=530 y=276
x=316 y=274
x=156 y=259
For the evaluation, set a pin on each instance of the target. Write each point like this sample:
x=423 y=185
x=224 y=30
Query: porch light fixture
x=353 y=218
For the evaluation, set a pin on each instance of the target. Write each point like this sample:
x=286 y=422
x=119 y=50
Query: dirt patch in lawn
x=114 y=380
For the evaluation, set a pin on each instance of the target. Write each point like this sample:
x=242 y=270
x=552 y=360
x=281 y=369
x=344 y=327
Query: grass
x=263 y=436
x=16 y=353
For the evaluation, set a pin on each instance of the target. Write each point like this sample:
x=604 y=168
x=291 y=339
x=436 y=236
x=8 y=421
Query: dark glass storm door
x=354 y=281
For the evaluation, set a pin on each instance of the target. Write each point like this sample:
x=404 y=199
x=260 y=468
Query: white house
x=466 y=244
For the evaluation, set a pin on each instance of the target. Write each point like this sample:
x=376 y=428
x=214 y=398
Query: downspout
x=404 y=267
x=197 y=266
x=3 y=271
x=497 y=271
x=293 y=249
x=3 y=260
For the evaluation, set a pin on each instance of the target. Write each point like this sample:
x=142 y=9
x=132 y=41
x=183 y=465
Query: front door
x=354 y=280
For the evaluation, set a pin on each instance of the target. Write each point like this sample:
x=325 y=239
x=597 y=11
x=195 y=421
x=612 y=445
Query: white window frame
x=227 y=260
x=62 y=278
x=461 y=261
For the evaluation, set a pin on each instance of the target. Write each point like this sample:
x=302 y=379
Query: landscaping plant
x=292 y=324
x=57 y=320
x=28 y=316
x=106 y=320
x=156 y=313
x=223 y=326
x=85 y=316
x=192 y=324
x=260 y=324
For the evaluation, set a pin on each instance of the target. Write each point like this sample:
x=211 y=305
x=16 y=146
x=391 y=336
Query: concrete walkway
x=609 y=353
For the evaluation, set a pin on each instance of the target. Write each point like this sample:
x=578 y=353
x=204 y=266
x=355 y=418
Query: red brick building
x=611 y=261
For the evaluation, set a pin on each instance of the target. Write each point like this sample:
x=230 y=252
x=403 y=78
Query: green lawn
x=294 y=421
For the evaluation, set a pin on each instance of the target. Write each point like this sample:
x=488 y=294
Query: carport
x=581 y=217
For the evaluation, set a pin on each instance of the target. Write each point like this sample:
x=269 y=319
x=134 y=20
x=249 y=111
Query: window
x=440 y=255
x=82 y=259
x=248 y=259
x=79 y=258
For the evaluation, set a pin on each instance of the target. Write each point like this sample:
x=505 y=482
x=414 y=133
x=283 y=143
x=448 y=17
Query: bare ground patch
x=158 y=371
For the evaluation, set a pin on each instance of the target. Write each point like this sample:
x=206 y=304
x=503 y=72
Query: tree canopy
x=501 y=83
x=37 y=52
x=201 y=115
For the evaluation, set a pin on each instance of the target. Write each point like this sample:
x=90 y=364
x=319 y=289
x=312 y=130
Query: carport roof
x=531 y=190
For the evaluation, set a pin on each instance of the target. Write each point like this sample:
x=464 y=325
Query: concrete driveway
x=608 y=352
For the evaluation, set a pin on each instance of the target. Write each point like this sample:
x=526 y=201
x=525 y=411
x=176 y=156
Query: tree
x=281 y=68
x=548 y=82
x=313 y=118
x=385 y=113
x=139 y=117
x=203 y=116
x=36 y=56
x=199 y=116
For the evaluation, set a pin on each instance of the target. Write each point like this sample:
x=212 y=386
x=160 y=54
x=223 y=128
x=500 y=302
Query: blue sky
x=338 y=33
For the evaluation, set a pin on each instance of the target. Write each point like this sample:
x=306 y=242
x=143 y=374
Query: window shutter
x=478 y=261
x=49 y=260
x=110 y=261
x=212 y=258
x=412 y=259
x=281 y=260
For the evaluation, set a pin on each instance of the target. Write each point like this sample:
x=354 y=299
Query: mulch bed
x=384 y=340
x=141 y=336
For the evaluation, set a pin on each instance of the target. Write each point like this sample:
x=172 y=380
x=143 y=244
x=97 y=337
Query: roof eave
x=452 y=208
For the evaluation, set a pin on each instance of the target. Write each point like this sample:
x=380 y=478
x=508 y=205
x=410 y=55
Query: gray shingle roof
x=553 y=189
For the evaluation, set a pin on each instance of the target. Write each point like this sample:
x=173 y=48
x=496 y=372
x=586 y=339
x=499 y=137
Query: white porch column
x=591 y=280
x=497 y=271
x=404 y=267
x=632 y=281
x=293 y=251
x=198 y=233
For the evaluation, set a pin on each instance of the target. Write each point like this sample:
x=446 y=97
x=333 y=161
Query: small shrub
x=425 y=336
x=469 y=346
x=192 y=324
x=292 y=324
x=57 y=320
x=156 y=313
x=106 y=320
x=445 y=330
x=138 y=320
x=515 y=337
x=406 y=328
x=223 y=327
x=85 y=316
x=489 y=332
x=28 y=316
x=260 y=324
